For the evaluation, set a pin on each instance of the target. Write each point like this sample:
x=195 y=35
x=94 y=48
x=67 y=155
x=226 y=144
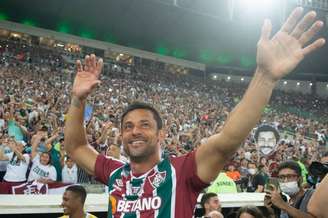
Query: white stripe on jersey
x=155 y=193
x=138 y=214
x=173 y=194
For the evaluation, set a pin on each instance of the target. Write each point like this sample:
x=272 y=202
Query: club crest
x=157 y=179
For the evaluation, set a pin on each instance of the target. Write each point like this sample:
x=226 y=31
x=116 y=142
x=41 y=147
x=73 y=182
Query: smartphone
x=272 y=182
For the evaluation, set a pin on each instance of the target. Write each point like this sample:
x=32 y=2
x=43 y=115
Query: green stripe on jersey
x=165 y=190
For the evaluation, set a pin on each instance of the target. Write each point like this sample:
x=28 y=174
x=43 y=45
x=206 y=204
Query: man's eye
x=145 y=125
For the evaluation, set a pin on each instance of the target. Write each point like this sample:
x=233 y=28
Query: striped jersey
x=170 y=189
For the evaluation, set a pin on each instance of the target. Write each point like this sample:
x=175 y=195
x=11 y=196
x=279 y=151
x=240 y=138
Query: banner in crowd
x=36 y=188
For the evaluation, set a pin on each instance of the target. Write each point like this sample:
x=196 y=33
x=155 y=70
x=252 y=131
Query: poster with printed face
x=266 y=138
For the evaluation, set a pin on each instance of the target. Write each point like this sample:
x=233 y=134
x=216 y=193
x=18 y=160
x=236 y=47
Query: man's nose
x=136 y=130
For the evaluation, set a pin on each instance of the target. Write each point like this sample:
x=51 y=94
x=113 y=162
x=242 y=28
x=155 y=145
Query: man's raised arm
x=76 y=144
x=318 y=203
x=276 y=57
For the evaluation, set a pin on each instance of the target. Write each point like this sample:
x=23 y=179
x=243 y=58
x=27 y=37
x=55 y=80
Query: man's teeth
x=137 y=142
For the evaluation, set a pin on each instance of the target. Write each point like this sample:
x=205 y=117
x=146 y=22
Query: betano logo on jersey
x=141 y=204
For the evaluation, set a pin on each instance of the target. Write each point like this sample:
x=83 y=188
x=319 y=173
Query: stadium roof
x=199 y=30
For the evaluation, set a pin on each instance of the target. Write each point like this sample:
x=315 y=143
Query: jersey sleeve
x=187 y=172
x=104 y=167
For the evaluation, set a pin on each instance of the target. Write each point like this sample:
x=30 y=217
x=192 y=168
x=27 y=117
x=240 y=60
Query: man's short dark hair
x=290 y=164
x=145 y=106
x=79 y=191
x=266 y=128
x=206 y=197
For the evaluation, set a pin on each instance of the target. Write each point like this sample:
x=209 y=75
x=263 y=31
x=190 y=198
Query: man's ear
x=206 y=205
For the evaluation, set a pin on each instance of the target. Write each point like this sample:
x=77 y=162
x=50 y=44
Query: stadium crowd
x=34 y=95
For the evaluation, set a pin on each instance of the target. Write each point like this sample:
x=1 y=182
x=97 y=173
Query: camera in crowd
x=318 y=170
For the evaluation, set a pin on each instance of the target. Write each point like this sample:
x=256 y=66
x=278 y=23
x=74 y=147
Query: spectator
x=318 y=170
x=17 y=166
x=4 y=149
x=243 y=167
x=214 y=214
x=222 y=184
x=290 y=182
x=249 y=212
x=264 y=162
x=256 y=179
x=233 y=173
x=73 y=202
x=69 y=172
x=114 y=150
x=57 y=157
x=42 y=170
x=210 y=202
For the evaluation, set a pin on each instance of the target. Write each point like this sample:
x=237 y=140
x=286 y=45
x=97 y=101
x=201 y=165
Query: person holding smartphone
x=290 y=183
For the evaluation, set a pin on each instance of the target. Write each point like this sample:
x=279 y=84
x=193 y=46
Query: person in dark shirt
x=290 y=183
x=256 y=178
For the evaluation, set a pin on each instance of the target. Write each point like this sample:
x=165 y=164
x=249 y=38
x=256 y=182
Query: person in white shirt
x=16 y=167
x=69 y=172
x=5 y=150
x=18 y=162
x=42 y=170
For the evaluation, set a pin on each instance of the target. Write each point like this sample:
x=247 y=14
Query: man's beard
x=144 y=156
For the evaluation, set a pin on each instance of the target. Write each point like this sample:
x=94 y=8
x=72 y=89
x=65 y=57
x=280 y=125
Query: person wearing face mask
x=256 y=178
x=290 y=180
